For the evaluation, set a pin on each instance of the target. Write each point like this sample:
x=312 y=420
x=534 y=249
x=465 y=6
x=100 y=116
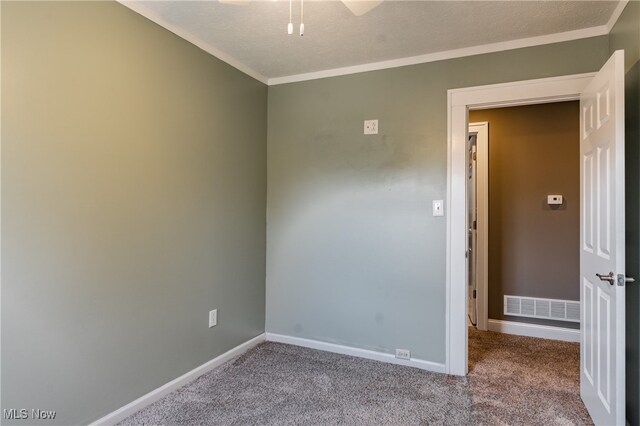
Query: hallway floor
x=512 y=381
x=524 y=380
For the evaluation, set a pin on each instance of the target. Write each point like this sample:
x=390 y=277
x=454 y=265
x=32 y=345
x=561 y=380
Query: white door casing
x=602 y=233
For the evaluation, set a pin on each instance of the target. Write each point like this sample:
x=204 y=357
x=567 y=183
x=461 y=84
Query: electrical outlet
x=213 y=318
x=371 y=127
x=403 y=354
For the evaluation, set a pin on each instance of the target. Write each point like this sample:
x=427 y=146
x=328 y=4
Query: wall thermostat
x=554 y=199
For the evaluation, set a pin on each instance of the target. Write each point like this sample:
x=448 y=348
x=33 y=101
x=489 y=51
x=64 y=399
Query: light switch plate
x=213 y=318
x=371 y=127
x=438 y=207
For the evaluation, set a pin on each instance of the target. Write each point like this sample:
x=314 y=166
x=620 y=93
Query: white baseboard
x=357 y=352
x=151 y=397
x=534 y=330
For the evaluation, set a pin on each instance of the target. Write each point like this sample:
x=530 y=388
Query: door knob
x=609 y=277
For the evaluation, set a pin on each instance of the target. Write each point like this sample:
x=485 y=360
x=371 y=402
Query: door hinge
x=475 y=224
x=474 y=156
x=475 y=294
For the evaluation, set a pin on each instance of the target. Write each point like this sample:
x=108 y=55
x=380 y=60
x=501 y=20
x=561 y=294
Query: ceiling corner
x=616 y=14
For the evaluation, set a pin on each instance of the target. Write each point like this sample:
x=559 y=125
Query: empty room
x=296 y=212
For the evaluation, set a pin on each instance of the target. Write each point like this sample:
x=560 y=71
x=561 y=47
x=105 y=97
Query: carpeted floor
x=512 y=381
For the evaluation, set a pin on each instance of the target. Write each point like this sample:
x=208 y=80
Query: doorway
x=524 y=220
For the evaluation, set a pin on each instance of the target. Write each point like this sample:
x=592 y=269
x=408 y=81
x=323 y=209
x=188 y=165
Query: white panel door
x=602 y=254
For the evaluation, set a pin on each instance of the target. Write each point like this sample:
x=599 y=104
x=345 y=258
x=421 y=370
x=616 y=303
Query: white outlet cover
x=371 y=127
x=403 y=354
x=213 y=318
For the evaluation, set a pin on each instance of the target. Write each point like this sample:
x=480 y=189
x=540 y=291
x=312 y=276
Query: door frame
x=459 y=102
x=481 y=129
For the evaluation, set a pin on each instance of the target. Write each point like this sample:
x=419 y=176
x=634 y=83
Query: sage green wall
x=626 y=35
x=354 y=255
x=133 y=202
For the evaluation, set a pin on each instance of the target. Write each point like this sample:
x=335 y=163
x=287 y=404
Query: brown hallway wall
x=533 y=248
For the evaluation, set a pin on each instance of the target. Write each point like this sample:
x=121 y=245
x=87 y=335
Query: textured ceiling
x=255 y=33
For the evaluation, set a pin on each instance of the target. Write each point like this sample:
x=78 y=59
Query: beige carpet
x=523 y=380
x=513 y=381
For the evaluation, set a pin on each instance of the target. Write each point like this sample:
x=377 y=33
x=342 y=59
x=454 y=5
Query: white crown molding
x=151 y=397
x=448 y=54
x=138 y=7
x=357 y=352
x=616 y=14
x=534 y=330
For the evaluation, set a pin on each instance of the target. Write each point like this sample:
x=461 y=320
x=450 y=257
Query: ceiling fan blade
x=360 y=7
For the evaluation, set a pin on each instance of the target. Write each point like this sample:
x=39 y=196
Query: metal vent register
x=534 y=307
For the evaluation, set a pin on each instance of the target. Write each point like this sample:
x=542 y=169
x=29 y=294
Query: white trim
x=357 y=352
x=616 y=14
x=482 y=222
x=459 y=102
x=0 y=203
x=535 y=330
x=449 y=344
x=448 y=54
x=524 y=92
x=151 y=397
x=456 y=325
x=138 y=7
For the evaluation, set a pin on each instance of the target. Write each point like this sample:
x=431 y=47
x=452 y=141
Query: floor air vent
x=534 y=307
